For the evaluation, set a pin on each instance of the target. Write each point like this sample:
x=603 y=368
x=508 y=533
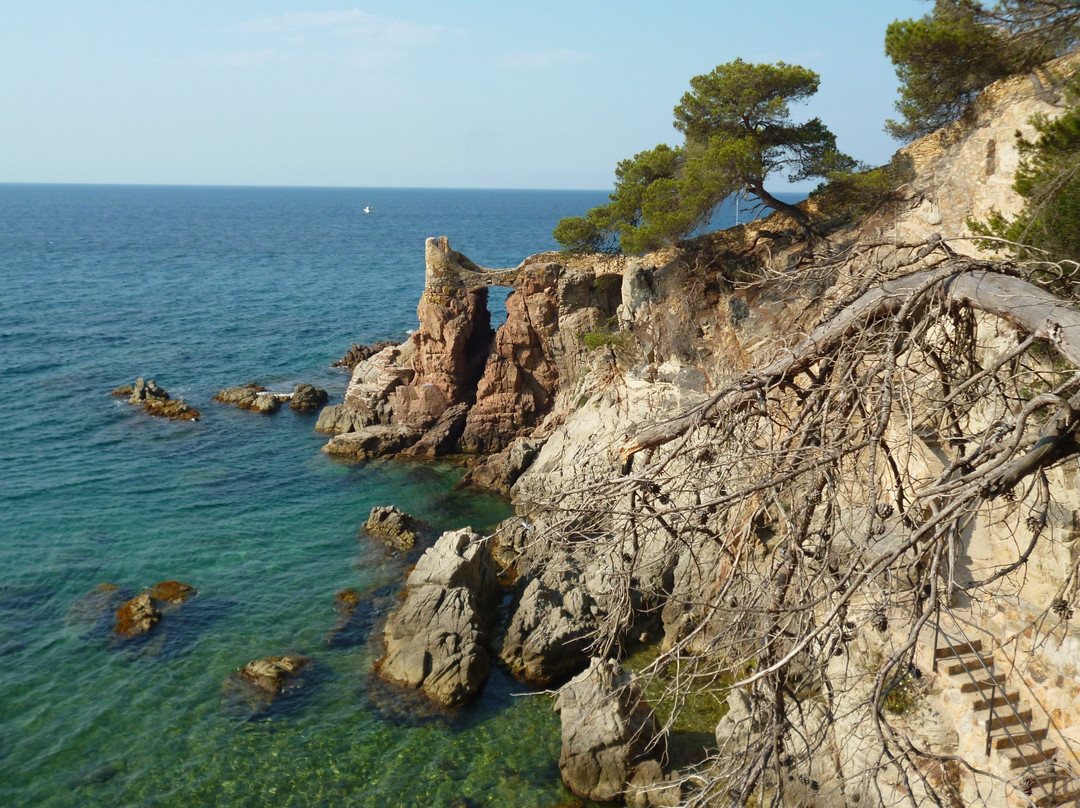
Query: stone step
x=970 y=663
x=982 y=684
x=1048 y=797
x=958 y=650
x=1018 y=760
x=1011 y=740
x=998 y=700
x=1010 y=719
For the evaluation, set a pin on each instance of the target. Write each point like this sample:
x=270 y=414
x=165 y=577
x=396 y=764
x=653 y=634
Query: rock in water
x=172 y=592
x=608 y=732
x=144 y=611
x=307 y=398
x=156 y=401
x=394 y=525
x=258 y=686
x=435 y=641
x=138 y=616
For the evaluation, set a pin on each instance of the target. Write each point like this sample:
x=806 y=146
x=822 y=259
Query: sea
x=202 y=288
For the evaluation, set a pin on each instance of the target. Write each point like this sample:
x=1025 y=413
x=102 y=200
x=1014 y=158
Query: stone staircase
x=1007 y=722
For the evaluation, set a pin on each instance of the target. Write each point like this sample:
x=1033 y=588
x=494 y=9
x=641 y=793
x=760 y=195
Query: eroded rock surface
x=608 y=733
x=262 y=683
x=156 y=401
x=435 y=641
x=393 y=525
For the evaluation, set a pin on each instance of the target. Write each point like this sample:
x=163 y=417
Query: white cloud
x=550 y=57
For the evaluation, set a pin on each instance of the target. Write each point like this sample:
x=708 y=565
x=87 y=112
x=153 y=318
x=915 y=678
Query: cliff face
x=814 y=486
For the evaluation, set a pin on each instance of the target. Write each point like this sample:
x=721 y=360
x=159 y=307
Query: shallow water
x=203 y=288
x=200 y=289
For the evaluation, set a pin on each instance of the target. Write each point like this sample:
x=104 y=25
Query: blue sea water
x=200 y=289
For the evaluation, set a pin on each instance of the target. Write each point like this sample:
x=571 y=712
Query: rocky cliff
x=801 y=474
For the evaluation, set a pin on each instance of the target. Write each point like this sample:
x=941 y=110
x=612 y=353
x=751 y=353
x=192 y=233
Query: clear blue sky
x=458 y=93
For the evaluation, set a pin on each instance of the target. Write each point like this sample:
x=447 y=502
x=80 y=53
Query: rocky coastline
x=632 y=582
x=567 y=408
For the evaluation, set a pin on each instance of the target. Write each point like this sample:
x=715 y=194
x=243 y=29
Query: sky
x=460 y=94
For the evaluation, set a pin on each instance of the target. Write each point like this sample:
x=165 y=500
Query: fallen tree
x=823 y=508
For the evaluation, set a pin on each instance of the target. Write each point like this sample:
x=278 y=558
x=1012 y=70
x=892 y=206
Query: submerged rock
x=95 y=611
x=259 y=685
x=435 y=641
x=157 y=401
x=138 y=616
x=142 y=613
x=397 y=527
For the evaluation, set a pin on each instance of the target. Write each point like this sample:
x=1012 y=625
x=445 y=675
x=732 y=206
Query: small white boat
x=368 y=209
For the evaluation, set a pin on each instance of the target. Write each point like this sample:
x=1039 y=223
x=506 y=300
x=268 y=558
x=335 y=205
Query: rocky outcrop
x=520 y=376
x=257 y=687
x=436 y=641
x=393 y=525
x=142 y=613
x=451 y=343
x=156 y=401
x=372 y=441
x=458 y=384
x=250 y=396
x=304 y=398
x=608 y=734
x=307 y=398
x=137 y=616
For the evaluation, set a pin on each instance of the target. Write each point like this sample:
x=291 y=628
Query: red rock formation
x=520 y=376
x=452 y=342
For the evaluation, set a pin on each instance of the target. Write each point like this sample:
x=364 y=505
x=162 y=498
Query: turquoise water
x=202 y=288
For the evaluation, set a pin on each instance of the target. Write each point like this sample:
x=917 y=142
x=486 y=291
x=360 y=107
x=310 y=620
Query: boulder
x=142 y=613
x=372 y=441
x=394 y=525
x=442 y=438
x=307 y=398
x=262 y=683
x=156 y=401
x=137 y=616
x=608 y=733
x=435 y=641
x=554 y=622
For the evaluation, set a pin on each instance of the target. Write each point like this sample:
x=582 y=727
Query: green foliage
x=903 y=697
x=594 y=340
x=1048 y=179
x=736 y=121
x=850 y=191
x=946 y=58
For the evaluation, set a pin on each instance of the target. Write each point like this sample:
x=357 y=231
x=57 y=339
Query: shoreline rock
x=156 y=401
x=609 y=734
x=436 y=640
x=393 y=525
x=256 y=398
